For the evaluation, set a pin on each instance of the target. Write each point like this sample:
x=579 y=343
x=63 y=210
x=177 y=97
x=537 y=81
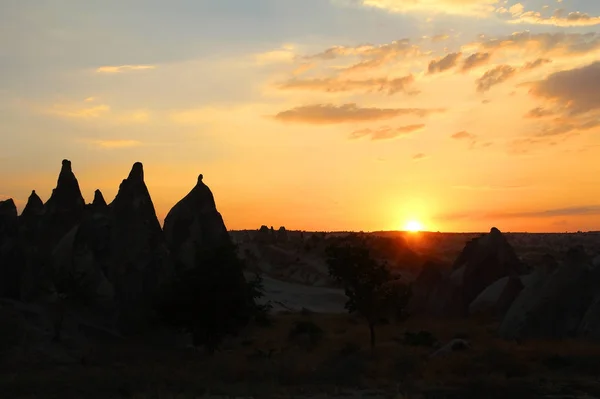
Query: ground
x=273 y=362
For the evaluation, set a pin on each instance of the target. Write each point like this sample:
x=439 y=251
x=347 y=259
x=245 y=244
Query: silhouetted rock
x=554 y=305
x=140 y=261
x=194 y=226
x=282 y=234
x=10 y=252
x=9 y=222
x=85 y=252
x=496 y=299
x=423 y=288
x=99 y=201
x=64 y=208
x=264 y=235
x=34 y=206
x=486 y=259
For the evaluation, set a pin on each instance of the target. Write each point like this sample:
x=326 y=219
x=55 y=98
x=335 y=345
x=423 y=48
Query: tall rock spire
x=65 y=207
x=193 y=225
x=140 y=259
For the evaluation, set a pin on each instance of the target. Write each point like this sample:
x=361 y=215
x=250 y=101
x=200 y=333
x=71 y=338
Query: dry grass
x=268 y=362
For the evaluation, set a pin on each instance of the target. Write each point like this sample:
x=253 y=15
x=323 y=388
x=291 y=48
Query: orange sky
x=313 y=114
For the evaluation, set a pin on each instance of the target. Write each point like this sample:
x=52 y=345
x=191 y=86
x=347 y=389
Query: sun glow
x=413 y=226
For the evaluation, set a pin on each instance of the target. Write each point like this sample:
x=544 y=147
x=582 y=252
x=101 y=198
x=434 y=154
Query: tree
x=213 y=299
x=367 y=282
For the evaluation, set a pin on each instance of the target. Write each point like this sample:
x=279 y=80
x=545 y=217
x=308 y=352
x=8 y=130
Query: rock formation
x=30 y=218
x=10 y=253
x=554 y=305
x=486 y=259
x=139 y=260
x=496 y=299
x=98 y=204
x=424 y=287
x=194 y=225
x=64 y=208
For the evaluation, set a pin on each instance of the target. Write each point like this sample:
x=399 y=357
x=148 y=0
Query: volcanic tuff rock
x=139 y=260
x=497 y=298
x=194 y=225
x=31 y=216
x=64 y=208
x=8 y=220
x=486 y=259
x=554 y=305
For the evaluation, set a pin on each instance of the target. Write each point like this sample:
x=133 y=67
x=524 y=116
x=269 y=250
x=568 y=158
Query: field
x=305 y=355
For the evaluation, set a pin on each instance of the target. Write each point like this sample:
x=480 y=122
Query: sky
x=313 y=114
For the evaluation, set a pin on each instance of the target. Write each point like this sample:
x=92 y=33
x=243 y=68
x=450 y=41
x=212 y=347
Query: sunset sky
x=313 y=114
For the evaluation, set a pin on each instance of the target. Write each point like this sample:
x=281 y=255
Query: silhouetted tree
x=367 y=282
x=213 y=299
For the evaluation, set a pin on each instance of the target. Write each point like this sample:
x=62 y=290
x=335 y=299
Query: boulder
x=486 y=259
x=194 y=226
x=552 y=306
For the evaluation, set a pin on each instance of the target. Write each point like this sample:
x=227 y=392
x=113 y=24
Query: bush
x=212 y=300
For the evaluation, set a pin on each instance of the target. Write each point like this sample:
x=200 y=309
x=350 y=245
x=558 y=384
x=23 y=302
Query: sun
x=413 y=226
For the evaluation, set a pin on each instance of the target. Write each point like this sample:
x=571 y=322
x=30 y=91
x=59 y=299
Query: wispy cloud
x=123 y=68
x=334 y=85
x=559 y=18
x=463 y=135
x=475 y=60
x=322 y=114
x=115 y=144
x=386 y=132
x=419 y=157
x=457 y=7
x=77 y=111
x=443 y=64
x=491 y=187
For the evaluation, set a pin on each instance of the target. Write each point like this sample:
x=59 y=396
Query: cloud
x=559 y=18
x=371 y=56
x=584 y=210
x=491 y=187
x=78 y=111
x=559 y=44
x=539 y=112
x=456 y=7
x=440 y=38
x=115 y=144
x=573 y=96
x=443 y=64
x=420 y=156
x=522 y=146
x=333 y=85
x=576 y=90
x=463 y=135
x=502 y=73
x=475 y=60
x=124 y=68
x=536 y=64
x=495 y=76
x=322 y=114
x=286 y=54
x=386 y=132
